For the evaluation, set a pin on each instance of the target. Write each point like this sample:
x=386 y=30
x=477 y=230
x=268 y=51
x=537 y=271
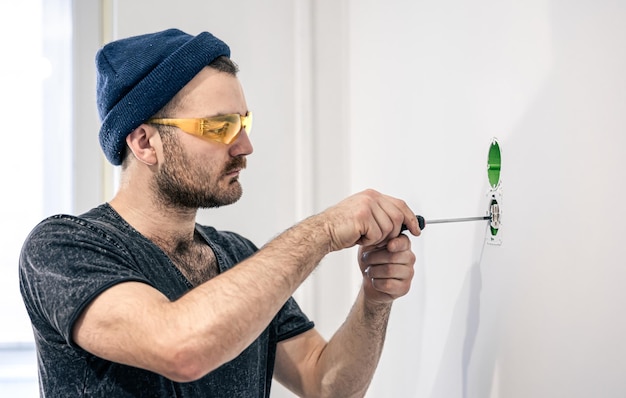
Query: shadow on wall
x=452 y=378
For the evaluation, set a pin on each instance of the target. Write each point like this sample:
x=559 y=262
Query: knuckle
x=370 y=192
x=401 y=203
x=398 y=218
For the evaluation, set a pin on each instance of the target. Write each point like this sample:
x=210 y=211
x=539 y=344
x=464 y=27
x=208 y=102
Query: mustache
x=235 y=164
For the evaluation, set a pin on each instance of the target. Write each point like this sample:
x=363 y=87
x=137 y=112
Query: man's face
x=196 y=172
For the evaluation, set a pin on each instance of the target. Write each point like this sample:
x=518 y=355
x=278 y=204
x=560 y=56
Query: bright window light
x=35 y=109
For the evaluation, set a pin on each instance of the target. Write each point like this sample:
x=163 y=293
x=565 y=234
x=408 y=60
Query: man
x=133 y=298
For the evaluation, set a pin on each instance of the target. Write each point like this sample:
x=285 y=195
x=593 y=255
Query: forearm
x=347 y=364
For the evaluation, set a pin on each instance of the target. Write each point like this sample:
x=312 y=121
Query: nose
x=241 y=146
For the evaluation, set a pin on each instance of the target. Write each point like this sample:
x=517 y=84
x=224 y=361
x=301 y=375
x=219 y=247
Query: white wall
x=431 y=84
x=405 y=97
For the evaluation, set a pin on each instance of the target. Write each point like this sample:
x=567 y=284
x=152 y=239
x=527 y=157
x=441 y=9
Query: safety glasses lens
x=225 y=128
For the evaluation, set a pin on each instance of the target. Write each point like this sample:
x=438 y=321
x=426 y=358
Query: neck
x=170 y=226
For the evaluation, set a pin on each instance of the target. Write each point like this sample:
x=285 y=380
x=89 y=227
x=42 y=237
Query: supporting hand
x=388 y=270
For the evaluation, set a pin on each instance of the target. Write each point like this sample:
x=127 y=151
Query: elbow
x=184 y=368
x=184 y=365
x=187 y=354
x=189 y=363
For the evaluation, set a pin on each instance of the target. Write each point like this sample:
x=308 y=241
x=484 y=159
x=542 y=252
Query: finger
x=392 y=287
x=386 y=218
x=404 y=259
x=373 y=234
x=383 y=256
x=398 y=277
x=409 y=220
x=399 y=244
x=395 y=243
x=380 y=226
x=390 y=271
x=401 y=215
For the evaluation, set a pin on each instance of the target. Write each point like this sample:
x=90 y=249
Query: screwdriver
x=493 y=217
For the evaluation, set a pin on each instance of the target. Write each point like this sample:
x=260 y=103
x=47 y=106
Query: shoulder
x=97 y=224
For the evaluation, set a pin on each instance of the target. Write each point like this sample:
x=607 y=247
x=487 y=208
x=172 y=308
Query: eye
x=217 y=128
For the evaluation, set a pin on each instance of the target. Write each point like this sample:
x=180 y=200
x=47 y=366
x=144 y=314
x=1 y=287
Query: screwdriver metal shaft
x=422 y=222
x=446 y=220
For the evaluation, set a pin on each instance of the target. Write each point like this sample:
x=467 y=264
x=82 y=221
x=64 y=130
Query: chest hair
x=195 y=260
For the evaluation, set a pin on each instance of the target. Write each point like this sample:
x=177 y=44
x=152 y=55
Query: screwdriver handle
x=420 y=221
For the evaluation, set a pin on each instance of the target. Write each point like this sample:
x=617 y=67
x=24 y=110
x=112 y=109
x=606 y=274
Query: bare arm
x=345 y=365
x=132 y=323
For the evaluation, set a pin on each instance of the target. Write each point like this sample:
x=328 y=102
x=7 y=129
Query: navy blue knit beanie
x=138 y=76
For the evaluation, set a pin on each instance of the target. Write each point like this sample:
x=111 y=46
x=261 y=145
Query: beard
x=181 y=182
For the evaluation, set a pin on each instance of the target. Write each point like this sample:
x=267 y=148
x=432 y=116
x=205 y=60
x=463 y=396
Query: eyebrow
x=226 y=113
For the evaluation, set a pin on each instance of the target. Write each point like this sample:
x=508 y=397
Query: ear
x=140 y=142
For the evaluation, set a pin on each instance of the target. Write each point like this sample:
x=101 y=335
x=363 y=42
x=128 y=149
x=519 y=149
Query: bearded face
x=195 y=183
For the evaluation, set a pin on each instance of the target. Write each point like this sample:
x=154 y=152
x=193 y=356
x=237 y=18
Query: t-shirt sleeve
x=291 y=321
x=64 y=264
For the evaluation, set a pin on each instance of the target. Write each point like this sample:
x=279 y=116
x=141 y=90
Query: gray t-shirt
x=67 y=261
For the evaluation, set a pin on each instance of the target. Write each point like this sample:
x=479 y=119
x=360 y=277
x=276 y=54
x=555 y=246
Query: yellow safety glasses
x=222 y=128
